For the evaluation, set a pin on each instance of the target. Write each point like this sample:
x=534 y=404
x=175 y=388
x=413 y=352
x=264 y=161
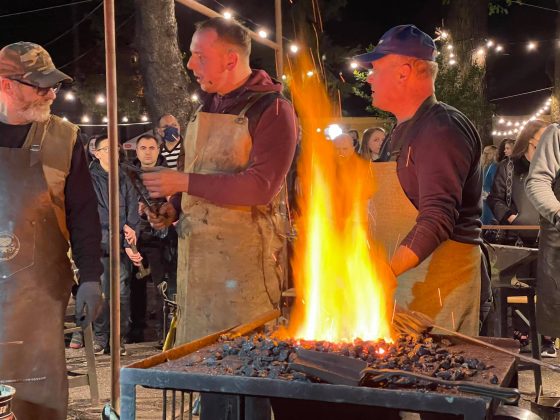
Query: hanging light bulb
x=294 y=48
x=100 y=99
x=227 y=15
x=194 y=97
x=69 y=96
x=531 y=46
x=263 y=33
x=85 y=119
x=353 y=65
x=105 y=120
x=124 y=119
x=490 y=43
x=499 y=48
x=144 y=118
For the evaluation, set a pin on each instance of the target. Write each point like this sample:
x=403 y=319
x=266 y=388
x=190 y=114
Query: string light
x=69 y=96
x=531 y=46
x=263 y=33
x=499 y=48
x=353 y=65
x=284 y=77
x=227 y=14
x=490 y=43
x=144 y=118
x=100 y=99
x=105 y=120
x=194 y=97
x=519 y=125
x=310 y=73
x=452 y=62
x=294 y=48
x=85 y=119
x=124 y=119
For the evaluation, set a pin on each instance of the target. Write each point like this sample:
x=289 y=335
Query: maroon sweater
x=274 y=136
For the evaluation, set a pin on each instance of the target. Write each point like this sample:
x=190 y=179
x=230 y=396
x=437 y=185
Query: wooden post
x=114 y=228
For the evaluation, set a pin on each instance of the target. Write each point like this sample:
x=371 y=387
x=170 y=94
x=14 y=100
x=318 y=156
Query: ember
x=264 y=356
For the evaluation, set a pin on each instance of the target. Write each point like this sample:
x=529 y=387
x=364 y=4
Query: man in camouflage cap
x=47 y=201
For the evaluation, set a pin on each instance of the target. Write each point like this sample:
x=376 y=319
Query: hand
x=161 y=182
x=136 y=258
x=165 y=217
x=403 y=260
x=141 y=208
x=129 y=234
x=88 y=303
x=511 y=218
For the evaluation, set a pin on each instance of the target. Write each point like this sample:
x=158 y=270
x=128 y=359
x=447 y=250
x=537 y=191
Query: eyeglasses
x=41 y=91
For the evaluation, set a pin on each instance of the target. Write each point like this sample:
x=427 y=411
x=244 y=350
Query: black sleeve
x=82 y=217
x=497 y=198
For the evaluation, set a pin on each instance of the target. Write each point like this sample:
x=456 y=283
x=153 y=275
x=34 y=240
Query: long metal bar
x=114 y=229
x=279 y=52
x=511 y=227
x=200 y=8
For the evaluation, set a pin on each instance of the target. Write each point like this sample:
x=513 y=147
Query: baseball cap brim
x=43 y=80
x=367 y=58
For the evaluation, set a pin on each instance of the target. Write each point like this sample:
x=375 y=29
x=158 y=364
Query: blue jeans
x=101 y=326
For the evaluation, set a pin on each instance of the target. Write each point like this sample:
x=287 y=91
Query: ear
x=404 y=72
x=231 y=60
x=6 y=86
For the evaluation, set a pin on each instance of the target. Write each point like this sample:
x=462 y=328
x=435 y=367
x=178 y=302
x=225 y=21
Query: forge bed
x=230 y=396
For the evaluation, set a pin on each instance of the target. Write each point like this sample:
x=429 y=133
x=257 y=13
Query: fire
x=343 y=283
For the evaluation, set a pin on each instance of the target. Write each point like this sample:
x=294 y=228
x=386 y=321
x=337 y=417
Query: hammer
x=142 y=271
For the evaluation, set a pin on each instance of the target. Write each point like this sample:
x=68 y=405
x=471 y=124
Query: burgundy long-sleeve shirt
x=274 y=136
x=438 y=165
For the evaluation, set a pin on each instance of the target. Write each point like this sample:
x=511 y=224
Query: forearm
x=403 y=260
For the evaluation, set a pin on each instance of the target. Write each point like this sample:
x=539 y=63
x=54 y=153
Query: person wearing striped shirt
x=168 y=131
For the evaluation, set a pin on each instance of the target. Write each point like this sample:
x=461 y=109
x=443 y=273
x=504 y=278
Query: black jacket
x=520 y=204
x=128 y=203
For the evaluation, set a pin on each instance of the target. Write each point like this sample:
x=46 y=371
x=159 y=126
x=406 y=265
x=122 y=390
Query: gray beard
x=36 y=114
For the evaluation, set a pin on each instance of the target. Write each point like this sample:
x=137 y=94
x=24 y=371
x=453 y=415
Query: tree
x=166 y=82
x=467 y=21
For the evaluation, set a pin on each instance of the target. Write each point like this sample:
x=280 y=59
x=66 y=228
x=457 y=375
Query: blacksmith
x=238 y=149
x=428 y=203
x=47 y=201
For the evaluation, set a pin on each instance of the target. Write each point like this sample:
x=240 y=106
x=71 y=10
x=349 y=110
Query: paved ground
x=149 y=402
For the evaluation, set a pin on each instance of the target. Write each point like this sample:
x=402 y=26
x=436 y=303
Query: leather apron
x=231 y=261
x=452 y=271
x=548 y=280
x=35 y=282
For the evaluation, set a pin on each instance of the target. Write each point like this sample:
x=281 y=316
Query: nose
x=190 y=62
x=51 y=94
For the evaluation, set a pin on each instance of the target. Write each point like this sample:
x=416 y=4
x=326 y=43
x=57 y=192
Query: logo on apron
x=9 y=246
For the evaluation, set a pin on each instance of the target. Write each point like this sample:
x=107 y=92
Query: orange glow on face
x=344 y=285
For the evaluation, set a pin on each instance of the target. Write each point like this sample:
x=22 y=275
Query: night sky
x=360 y=23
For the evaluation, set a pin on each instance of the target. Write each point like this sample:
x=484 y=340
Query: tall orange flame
x=343 y=284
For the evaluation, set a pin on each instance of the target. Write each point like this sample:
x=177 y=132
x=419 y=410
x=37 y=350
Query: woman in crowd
x=487 y=162
x=372 y=141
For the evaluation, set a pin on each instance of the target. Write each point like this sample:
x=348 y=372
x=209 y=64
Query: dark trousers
x=101 y=326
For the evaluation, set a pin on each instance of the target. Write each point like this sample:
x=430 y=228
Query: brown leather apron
x=231 y=261
x=35 y=282
x=451 y=272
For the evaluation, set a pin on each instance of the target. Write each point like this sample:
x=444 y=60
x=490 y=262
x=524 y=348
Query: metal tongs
x=342 y=370
x=133 y=172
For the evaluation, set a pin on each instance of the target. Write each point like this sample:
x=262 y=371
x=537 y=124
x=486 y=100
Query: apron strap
x=252 y=101
x=37 y=143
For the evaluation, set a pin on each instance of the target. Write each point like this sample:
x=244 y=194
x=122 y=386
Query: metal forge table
x=251 y=398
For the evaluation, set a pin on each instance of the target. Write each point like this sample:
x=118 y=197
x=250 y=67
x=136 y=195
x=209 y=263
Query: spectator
x=372 y=141
x=355 y=139
x=169 y=132
x=486 y=162
x=128 y=218
x=543 y=189
x=507 y=199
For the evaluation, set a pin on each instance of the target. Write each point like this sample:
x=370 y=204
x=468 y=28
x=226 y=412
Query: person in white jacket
x=543 y=190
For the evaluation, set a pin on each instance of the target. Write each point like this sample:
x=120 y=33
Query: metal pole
x=114 y=229
x=279 y=51
x=200 y=8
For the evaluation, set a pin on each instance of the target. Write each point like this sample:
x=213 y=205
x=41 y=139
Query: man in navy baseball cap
x=405 y=40
x=436 y=152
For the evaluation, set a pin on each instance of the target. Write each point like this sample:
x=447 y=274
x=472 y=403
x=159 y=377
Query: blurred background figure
x=355 y=139
x=372 y=140
x=507 y=199
x=344 y=145
x=487 y=162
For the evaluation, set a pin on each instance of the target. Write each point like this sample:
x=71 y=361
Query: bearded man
x=47 y=200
